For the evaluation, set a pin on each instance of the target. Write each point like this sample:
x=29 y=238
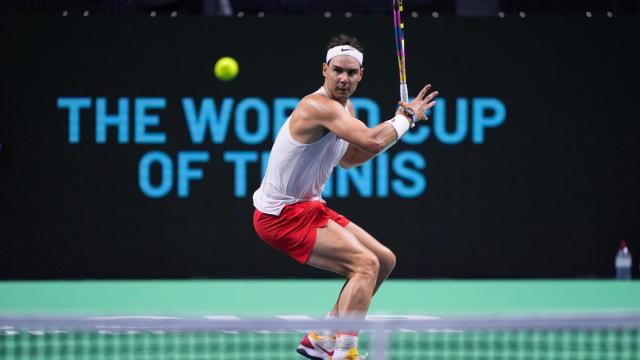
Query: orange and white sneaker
x=316 y=347
x=351 y=354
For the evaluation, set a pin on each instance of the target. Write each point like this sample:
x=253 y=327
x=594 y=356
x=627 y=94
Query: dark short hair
x=344 y=39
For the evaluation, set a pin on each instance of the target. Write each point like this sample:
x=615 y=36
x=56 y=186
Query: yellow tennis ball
x=226 y=68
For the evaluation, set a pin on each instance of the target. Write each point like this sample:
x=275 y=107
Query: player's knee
x=387 y=261
x=368 y=265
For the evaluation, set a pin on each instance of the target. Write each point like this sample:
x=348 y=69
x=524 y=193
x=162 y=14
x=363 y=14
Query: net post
x=380 y=341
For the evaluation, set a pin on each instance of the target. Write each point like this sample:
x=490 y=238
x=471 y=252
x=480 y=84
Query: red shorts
x=294 y=231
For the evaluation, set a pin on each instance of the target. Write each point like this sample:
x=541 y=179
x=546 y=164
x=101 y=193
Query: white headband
x=344 y=50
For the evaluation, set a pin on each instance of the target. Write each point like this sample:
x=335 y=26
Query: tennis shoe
x=316 y=347
x=351 y=354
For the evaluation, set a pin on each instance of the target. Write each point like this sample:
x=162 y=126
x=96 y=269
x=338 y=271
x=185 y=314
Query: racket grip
x=404 y=93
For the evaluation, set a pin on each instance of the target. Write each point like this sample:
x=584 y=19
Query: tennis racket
x=398 y=25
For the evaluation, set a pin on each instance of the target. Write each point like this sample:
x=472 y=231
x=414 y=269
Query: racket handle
x=404 y=93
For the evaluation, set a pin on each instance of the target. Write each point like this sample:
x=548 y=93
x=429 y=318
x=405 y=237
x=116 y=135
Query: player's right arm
x=329 y=114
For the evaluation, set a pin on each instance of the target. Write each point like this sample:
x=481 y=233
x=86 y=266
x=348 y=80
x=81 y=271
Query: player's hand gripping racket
x=399 y=31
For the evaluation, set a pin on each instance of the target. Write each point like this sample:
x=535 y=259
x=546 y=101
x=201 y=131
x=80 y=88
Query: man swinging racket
x=291 y=215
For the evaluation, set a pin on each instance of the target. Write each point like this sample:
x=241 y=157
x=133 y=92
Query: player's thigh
x=384 y=254
x=338 y=251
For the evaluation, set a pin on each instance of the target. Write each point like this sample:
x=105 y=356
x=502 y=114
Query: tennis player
x=290 y=213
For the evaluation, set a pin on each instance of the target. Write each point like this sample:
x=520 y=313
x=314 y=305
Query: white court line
x=283 y=317
x=134 y=317
x=119 y=332
x=294 y=317
x=222 y=318
x=401 y=317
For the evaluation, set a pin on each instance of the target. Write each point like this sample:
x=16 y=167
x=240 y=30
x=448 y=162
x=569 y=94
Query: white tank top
x=296 y=171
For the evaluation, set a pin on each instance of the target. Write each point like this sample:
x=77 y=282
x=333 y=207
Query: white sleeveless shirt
x=296 y=171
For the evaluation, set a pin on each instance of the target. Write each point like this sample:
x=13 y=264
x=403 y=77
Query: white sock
x=346 y=342
x=327 y=332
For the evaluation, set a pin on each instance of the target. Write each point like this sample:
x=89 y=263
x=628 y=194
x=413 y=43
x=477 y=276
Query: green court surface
x=259 y=298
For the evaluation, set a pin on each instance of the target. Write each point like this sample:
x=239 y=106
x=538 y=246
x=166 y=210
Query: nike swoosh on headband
x=344 y=50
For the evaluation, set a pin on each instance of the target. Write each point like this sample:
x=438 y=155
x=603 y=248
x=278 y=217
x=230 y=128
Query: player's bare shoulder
x=318 y=108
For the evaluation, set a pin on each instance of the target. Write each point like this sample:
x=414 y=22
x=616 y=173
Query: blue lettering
x=417 y=136
x=361 y=176
x=262 y=131
x=240 y=160
x=143 y=120
x=121 y=120
x=197 y=121
x=370 y=106
x=382 y=179
x=144 y=174
x=440 y=122
x=480 y=121
x=327 y=192
x=281 y=107
x=264 y=163
x=74 y=105
x=416 y=182
x=185 y=172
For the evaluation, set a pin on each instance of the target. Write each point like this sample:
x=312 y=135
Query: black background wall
x=549 y=191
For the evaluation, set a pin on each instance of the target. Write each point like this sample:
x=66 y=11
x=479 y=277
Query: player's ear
x=325 y=69
x=361 y=73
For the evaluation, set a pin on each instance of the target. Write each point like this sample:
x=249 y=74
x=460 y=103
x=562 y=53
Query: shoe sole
x=302 y=351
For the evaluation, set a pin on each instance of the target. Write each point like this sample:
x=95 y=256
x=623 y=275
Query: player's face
x=341 y=76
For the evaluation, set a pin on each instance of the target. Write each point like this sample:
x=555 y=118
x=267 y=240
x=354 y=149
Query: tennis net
x=557 y=337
